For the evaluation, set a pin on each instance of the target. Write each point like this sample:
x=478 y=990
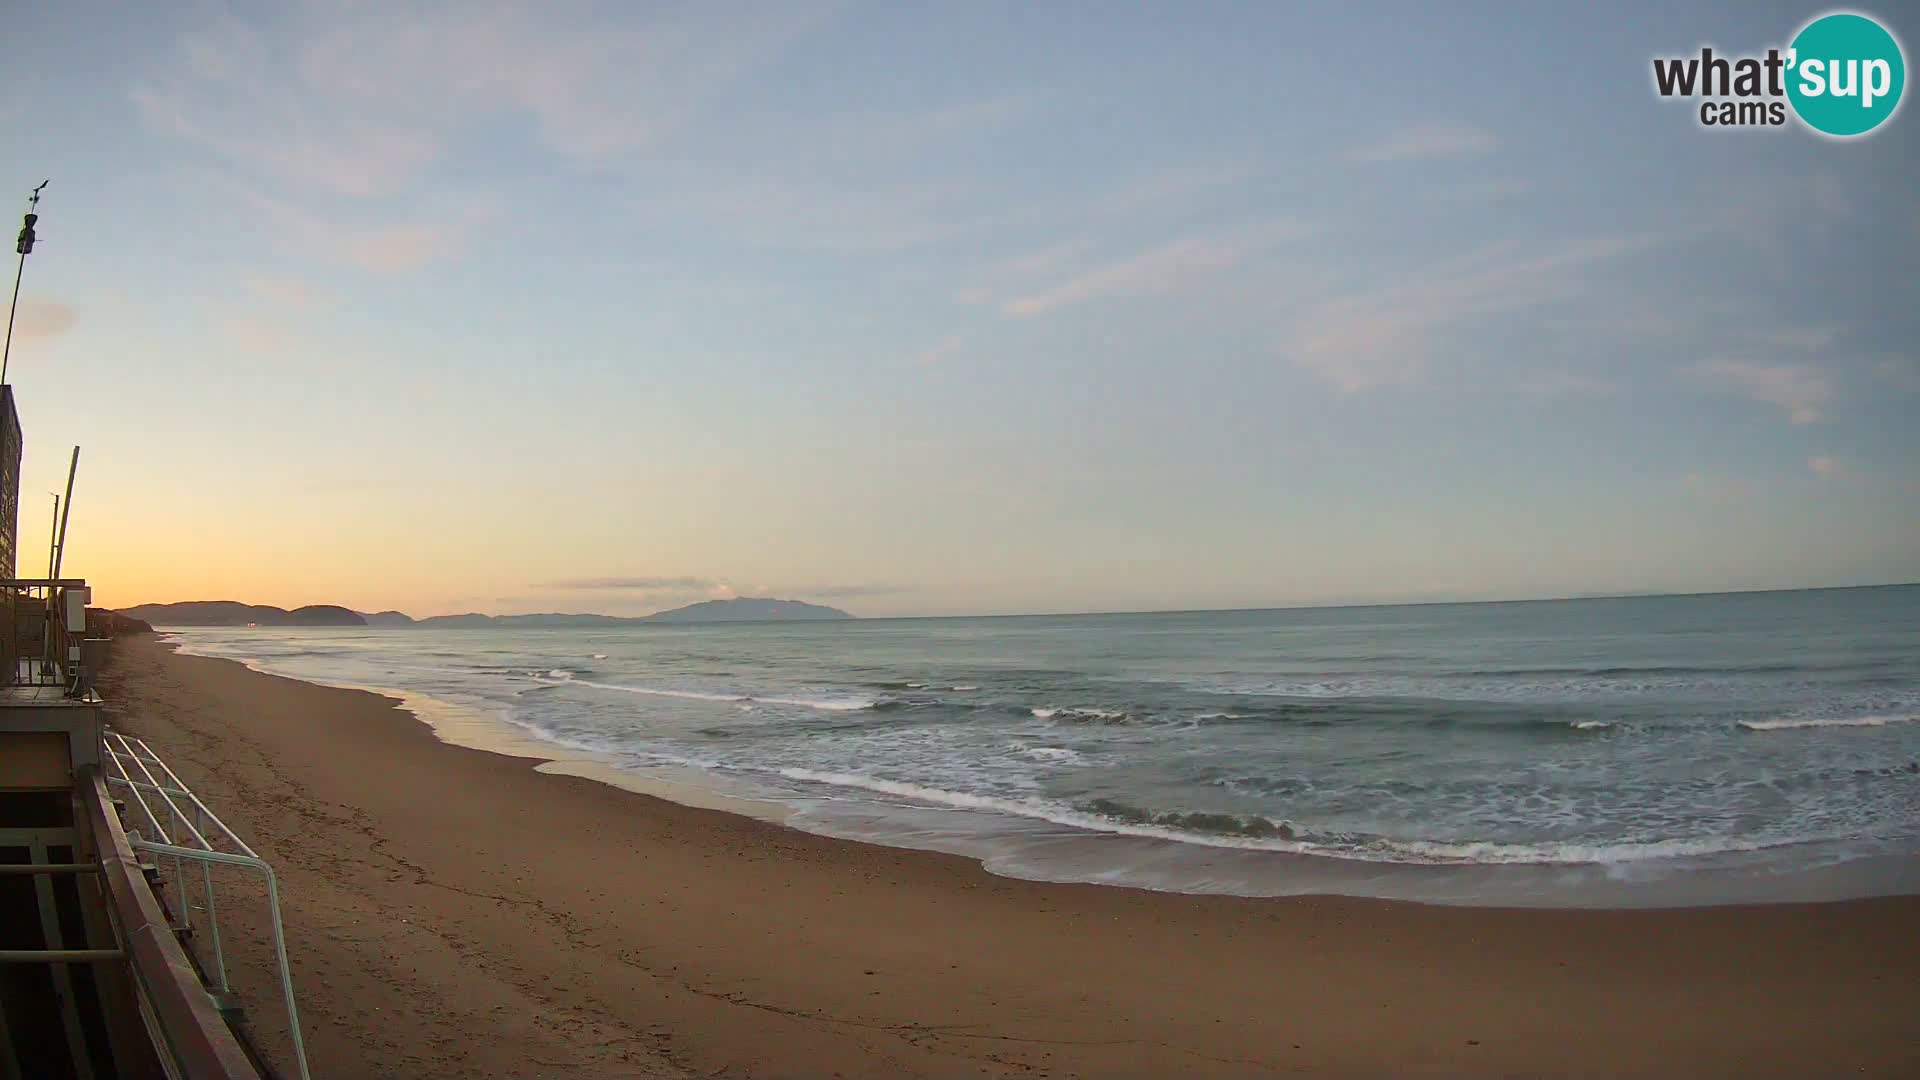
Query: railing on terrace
x=167 y=821
x=43 y=634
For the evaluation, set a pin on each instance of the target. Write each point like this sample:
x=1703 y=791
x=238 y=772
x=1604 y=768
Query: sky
x=948 y=308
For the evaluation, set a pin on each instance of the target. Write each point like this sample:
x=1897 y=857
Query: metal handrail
x=189 y=1034
x=48 y=956
x=193 y=845
x=59 y=663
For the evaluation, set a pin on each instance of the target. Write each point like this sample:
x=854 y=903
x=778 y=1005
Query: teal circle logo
x=1845 y=74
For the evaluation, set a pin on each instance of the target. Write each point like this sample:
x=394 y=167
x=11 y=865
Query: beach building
x=9 y=481
x=111 y=963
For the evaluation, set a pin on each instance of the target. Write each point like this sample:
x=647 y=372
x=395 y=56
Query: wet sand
x=456 y=913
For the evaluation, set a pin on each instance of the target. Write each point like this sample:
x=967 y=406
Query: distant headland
x=233 y=613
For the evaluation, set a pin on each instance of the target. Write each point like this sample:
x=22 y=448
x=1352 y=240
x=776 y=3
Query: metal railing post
x=213 y=916
x=180 y=874
x=286 y=970
x=194 y=831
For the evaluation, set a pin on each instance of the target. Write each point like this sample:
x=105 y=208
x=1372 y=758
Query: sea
x=1644 y=751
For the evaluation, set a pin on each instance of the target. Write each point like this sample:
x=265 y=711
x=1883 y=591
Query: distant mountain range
x=232 y=613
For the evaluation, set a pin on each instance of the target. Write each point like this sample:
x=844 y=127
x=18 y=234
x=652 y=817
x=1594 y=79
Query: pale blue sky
x=950 y=307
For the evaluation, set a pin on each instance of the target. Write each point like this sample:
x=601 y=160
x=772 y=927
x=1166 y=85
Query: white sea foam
x=1046 y=753
x=1102 y=715
x=1166 y=780
x=849 y=704
x=1789 y=723
x=827 y=704
x=1368 y=850
x=656 y=691
x=1570 y=853
x=549 y=735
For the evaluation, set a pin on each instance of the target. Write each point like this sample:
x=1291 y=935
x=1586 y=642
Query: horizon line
x=1077 y=614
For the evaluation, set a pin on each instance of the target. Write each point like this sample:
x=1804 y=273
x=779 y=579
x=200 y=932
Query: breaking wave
x=1269 y=834
x=825 y=704
x=1789 y=723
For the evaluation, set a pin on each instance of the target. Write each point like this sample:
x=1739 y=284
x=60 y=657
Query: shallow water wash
x=1643 y=750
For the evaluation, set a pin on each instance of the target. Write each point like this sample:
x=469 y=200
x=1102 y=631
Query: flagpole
x=24 y=246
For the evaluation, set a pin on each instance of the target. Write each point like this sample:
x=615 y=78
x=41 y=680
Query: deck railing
x=169 y=822
x=42 y=634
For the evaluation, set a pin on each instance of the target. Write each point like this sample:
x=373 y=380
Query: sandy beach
x=454 y=913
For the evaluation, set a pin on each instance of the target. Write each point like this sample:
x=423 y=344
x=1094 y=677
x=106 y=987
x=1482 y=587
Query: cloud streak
x=1429 y=142
x=1800 y=391
x=39 y=320
x=614 y=584
x=1172 y=266
x=359 y=101
x=438 y=232
x=1383 y=337
x=941 y=351
x=690 y=585
x=317 y=112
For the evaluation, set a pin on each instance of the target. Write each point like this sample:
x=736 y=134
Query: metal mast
x=25 y=247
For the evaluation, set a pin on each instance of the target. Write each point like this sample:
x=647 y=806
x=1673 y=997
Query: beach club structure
x=112 y=963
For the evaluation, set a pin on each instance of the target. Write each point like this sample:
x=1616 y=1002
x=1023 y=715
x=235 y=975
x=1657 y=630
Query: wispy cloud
x=269 y=312
x=438 y=231
x=696 y=584
x=1177 y=264
x=1827 y=468
x=1428 y=142
x=1383 y=337
x=868 y=138
x=309 y=107
x=1900 y=372
x=358 y=100
x=1179 y=186
x=232 y=90
x=1050 y=260
x=1779 y=217
x=1801 y=391
x=663 y=587
x=282 y=291
x=1800 y=338
x=393 y=249
x=941 y=351
x=255 y=333
x=38 y=320
x=864 y=216
x=840 y=592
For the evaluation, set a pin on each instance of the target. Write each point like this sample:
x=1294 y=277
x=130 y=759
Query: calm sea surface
x=1638 y=751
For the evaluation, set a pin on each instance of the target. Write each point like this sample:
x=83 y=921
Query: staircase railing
x=187 y=831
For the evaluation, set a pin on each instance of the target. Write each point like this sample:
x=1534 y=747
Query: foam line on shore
x=473 y=728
